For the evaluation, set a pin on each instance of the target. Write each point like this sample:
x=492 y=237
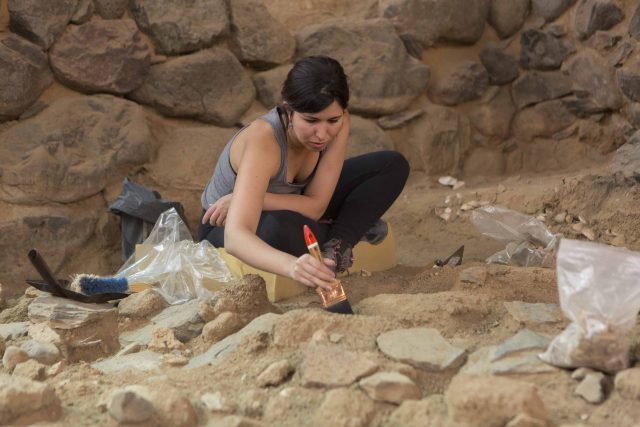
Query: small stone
x=580 y=373
x=12 y=356
x=588 y=233
x=275 y=374
x=447 y=181
x=391 y=387
x=627 y=383
x=30 y=369
x=223 y=325
x=164 y=340
x=215 y=402
x=142 y=304
x=559 y=218
x=591 y=387
x=129 y=406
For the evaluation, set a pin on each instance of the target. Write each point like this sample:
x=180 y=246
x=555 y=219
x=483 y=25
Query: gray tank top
x=224 y=177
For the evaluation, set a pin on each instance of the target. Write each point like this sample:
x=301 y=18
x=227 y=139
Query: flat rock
x=525 y=339
x=594 y=15
x=222 y=348
x=184 y=319
x=140 y=336
x=423 y=348
x=142 y=361
x=346 y=367
x=534 y=313
x=391 y=387
x=534 y=87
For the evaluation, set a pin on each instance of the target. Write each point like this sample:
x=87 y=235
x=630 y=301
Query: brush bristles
x=342 y=307
x=90 y=284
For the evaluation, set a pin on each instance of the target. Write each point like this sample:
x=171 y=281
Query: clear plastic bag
x=529 y=241
x=600 y=292
x=180 y=268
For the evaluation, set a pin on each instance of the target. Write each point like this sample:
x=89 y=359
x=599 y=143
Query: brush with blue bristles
x=90 y=284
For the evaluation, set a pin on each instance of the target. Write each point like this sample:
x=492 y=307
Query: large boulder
x=68 y=152
x=256 y=37
x=209 y=85
x=594 y=15
x=40 y=21
x=101 y=56
x=384 y=78
x=25 y=74
x=507 y=16
x=431 y=20
x=594 y=79
x=181 y=26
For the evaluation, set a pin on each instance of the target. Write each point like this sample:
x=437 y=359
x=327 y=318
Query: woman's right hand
x=313 y=273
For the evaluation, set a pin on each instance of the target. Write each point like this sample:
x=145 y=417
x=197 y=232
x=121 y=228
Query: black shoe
x=377 y=233
x=340 y=252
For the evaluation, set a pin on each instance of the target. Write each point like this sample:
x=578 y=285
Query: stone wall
x=95 y=90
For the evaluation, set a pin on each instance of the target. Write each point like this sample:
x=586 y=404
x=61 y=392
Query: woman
x=287 y=169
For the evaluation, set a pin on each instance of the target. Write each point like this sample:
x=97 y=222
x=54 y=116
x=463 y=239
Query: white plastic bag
x=600 y=292
x=181 y=269
x=529 y=241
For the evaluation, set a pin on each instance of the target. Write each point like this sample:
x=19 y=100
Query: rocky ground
x=452 y=346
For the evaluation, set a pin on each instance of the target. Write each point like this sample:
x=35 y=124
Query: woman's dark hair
x=314 y=83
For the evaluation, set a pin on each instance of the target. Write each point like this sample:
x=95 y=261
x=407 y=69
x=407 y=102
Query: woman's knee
x=277 y=227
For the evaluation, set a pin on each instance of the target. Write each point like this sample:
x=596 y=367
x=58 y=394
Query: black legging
x=367 y=187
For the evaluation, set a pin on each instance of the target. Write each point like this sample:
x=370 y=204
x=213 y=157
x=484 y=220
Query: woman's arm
x=313 y=203
x=260 y=160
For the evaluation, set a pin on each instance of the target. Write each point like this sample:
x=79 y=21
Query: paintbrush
x=90 y=284
x=334 y=300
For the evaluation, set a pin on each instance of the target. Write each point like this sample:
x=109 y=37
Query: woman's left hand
x=216 y=215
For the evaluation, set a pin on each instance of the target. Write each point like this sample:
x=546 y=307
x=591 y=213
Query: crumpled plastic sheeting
x=529 y=241
x=599 y=289
x=177 y=266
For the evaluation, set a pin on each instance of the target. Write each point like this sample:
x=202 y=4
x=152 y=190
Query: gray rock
x=634 y=25
x=111 y=9
x=501 y=67
x=550 y=10
x=101 y=56
x=64 y=154
x=629 y=82
x=532 y=314
x=493 y=118
x=142 y=304
x=222 y=348
x=525 y=363
x=468 y=81
x=594 y=15
x=83 y=12
x=423 y=348
x=269 y=84
x=184 y=319
x=142 y=361
x=542 y=51
x=26 y=75
x=535 y=87
x=451 y=20
x=391 y=387
x=365 y=136
x=257 y=38
x=627 y=383
x=140 y=336
x=346 y=368
x=591 y=388
x=128 y=406
x=13 y=330
x=627 y=158
x=181 y=26
x=594 y=79
x=525 y=339
x=43 y=352
x=40 y=22
x=543 y=120
x=184 y=87
x=378 y=87
x=507 y=16
x=26 y=402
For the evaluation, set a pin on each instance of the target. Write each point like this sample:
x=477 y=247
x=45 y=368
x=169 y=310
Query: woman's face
x=315 y=130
